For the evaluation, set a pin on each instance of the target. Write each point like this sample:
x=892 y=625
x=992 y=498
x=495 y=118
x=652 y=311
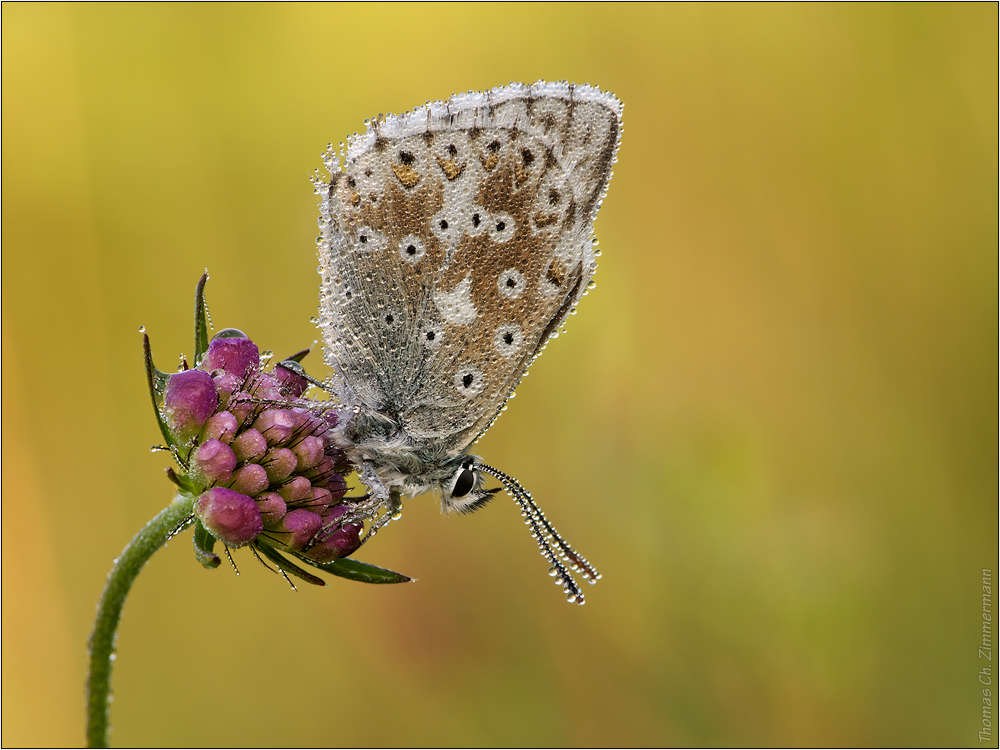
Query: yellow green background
x=773 y=425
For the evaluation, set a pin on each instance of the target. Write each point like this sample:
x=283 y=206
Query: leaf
x=356 y=570
x=203 y=544
x=287 y=566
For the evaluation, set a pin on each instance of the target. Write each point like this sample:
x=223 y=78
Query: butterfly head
x=463 y=493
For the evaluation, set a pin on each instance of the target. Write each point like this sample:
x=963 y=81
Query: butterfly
x=455 y=240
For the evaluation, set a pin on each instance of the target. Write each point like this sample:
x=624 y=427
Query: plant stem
x=109 y=611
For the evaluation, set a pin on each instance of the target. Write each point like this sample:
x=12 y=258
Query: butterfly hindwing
x=456 y=239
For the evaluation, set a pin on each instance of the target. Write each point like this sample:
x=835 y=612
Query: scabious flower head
x=260 y=458
x=259 y=462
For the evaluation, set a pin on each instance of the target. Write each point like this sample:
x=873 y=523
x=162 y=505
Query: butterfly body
x=456 y=239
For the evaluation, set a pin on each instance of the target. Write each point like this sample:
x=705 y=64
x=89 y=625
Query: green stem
x=109 y=611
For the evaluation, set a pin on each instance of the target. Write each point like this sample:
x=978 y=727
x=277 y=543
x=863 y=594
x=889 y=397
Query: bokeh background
x=773 y=426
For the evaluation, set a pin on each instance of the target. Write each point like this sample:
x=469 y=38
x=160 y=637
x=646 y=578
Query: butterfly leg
x=393 y=510
x=381 y=505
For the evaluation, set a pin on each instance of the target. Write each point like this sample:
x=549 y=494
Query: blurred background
x=772 y=427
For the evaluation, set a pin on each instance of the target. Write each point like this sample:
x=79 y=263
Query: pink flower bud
x=272 y=508
x=242 y=405
x=279 y=464
x=309 y=452
x=335 y=541
x=231 y=516
x=296 y=490
x=232 y=352
x=190 y=399
x=250 y=479
x=337 y=486
x=296 y=529
x=292 y=383
x=213 y=462
x=220 y=426
x=226 y=383
x=321 y=500
x=276 y=425
x=249 y=445
x=265 y=388
x=321 y=472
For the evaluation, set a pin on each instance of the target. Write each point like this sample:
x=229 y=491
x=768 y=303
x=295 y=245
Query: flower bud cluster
x=259 y=457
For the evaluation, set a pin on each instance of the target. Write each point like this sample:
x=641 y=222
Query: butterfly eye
x=464 y=483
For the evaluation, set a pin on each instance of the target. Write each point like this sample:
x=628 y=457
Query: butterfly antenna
x=551 y=544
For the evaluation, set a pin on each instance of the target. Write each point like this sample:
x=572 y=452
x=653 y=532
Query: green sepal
x=203 y=544
x=157 y=382
x=200 y=320
x=356 y=570
x=298 y=357
x=287 y=566
x=182 y=481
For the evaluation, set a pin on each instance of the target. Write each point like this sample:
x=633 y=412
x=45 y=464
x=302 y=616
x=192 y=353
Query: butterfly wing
x=455 y=241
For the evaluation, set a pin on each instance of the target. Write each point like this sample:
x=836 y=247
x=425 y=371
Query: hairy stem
x=109 y=611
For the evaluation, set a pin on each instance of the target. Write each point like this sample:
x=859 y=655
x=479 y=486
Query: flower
x=258 y=459
x=261 y=459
